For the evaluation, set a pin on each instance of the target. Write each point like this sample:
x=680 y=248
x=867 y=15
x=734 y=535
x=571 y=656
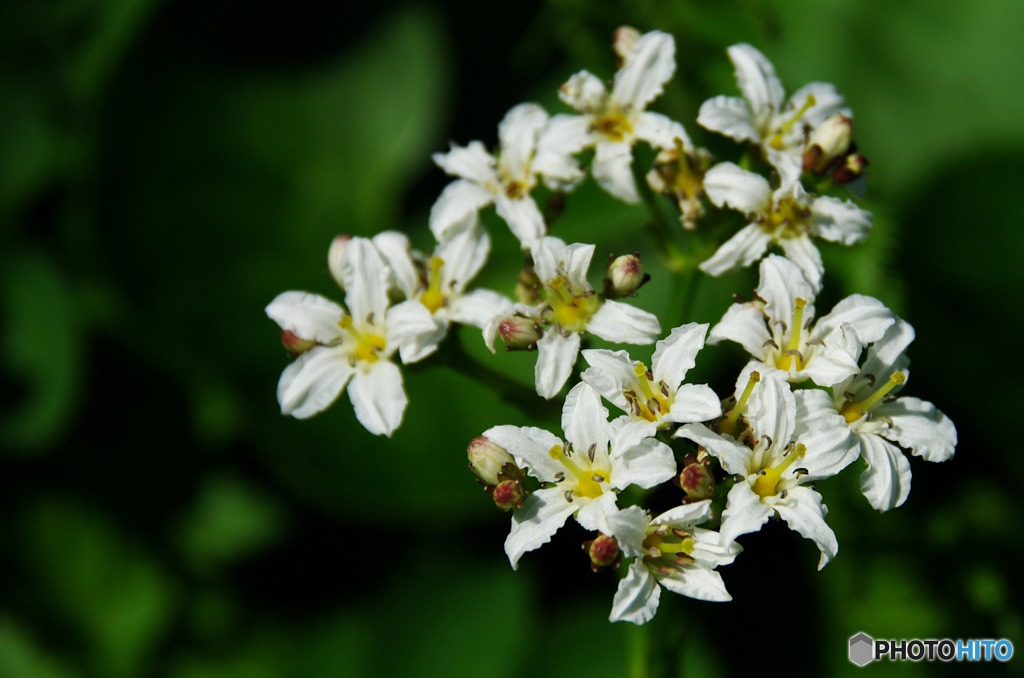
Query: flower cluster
x=817 y=394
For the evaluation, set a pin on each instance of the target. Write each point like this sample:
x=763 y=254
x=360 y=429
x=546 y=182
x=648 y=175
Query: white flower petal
x=831 y=446
x=564 y=136
x=530 y=447
x=456 y=205
x=394 y=247
x=827 y=102
x=734 y=457
x=646 y=68
x=636 y=599
x=584 y=91
x=523 y=218
x=660 y=131
x=471 y=162
x=747 y=246
x=838 y=221
x=868 y=316
x=709 y=548
x=378 y=397
x=517 y=133
x=805 y=514
x=744 y=513
x=695 y=581
x=645 y=465
x=781 y=284
x=802 y=252
x=729 y=186
x=624 y=324
x=416 y=347
x=585 y=419
x=464 y=253
x=366 y=281
x=533 y=525
x=313 y=381
x=608 y=374
x=884 y=355
x=771 y=411
x=920 y=427
x=886 y=480
x=744 y=324
x=729 y=116
x=833 y=362
x=477 y=307
x=413 y=330
x=548 y=254
x=308 y=316
x=593 y=516
x=556 y=355
x=685 y=516
x=612 y=170
x=694 y=403
x=756 y=78
x=629 y=527
x=576 y=262
x=626 y=433
x=676 y=354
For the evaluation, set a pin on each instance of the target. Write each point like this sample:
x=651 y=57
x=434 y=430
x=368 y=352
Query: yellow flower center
x=433 y=298
x=571 y=312
x=776 y=140
x=649 y=404
x=588 y=482
x=791 y=356
x=768 y=479
x=369 y=346
x=786 y=219
x=614 y=124
x=854 y=411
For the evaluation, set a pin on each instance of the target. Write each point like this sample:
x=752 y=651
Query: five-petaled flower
x=612 y=122
x=780 y=129
x=585 y=472
x=668 y=550
x=787 y=217
x=354 y=345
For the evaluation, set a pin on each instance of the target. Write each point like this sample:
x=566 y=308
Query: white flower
x=658 y=394
x=881 y=423
x=612 y=123
x=780 y=129
x=507 y=181
x=785 y=340
x=571 y=307
x=598 y=459
x=670 y=551
x=789 y=218
x=439 y=282
x=355 y=345
x=773 y=474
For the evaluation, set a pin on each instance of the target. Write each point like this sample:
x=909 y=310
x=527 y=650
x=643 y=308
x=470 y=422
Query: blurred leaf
x=42 y=347
x=230 y=520
x=114 y=594
x=21 y=656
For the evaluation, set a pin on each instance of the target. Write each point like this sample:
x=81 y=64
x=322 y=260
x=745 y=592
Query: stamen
x=433 y=298
x=854 y=411
x=367 y=345
x=776 y=140
x=767 y=479
x=655 y=403
x=558 y=284
x=792 y=348
x=729 y=423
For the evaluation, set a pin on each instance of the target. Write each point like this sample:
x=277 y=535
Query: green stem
x=638 y=650
x=658 y=227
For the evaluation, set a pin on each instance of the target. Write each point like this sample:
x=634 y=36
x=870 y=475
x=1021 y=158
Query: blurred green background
x=168 y=167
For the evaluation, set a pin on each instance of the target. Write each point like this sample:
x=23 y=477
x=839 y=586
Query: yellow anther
x=345 y=322
x=433 y=297
x=776 y=140
x=729 y=423
x=854 y=411
x=765 y=484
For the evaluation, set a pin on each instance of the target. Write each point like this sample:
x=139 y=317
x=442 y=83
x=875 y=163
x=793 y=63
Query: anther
x=770 y=342
x=560 y=477
x=776 y=140
x=568 y=496
x=591 y=451
x=815 y=342
x=597 y=478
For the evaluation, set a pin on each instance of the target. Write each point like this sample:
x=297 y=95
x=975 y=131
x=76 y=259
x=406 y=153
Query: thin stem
x=658 y=226
x=638 y=650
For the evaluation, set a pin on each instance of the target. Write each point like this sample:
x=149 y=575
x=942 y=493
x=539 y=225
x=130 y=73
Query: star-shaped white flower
x=658 y=394
x=571 y=307
x=612 y=122
x=773 y=475
x=783 y=337
x=670 y=551
x=507 y=181
x=882 y=423
x=356 y=345
x=439 y=282
x=788 y=217
x=779 y=128
x=598 y=459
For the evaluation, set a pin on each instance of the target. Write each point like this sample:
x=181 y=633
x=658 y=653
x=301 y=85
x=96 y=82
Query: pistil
x=588 y=486
x=368 y=345
x=776 y=140
x=730 y=423
x=433 y=298
x=795 y=334
x=765 y=484
x=854 y=411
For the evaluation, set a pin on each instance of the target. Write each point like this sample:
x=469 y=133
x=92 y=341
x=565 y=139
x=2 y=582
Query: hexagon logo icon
x=862 y=648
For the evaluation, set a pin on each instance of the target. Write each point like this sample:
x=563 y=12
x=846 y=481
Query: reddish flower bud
x=622 y=41
x=486 y=459
x=508 y=494
x=603 y=552
x=828 y=142
x=334 y=256
x=295 y=344
x=851 y=168
x=696 y=479
x=624 y=276
x=518 y=332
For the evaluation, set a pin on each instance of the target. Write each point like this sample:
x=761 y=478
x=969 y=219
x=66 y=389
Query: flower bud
x=851 y=168
x=622 y=41
x=508 y=494
x=295 y=344
x=624 y=275
x=519 y=332
x=487 y=458
x=829 y=141
x=696 y=479
x=334 y=256
x=603 y=551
